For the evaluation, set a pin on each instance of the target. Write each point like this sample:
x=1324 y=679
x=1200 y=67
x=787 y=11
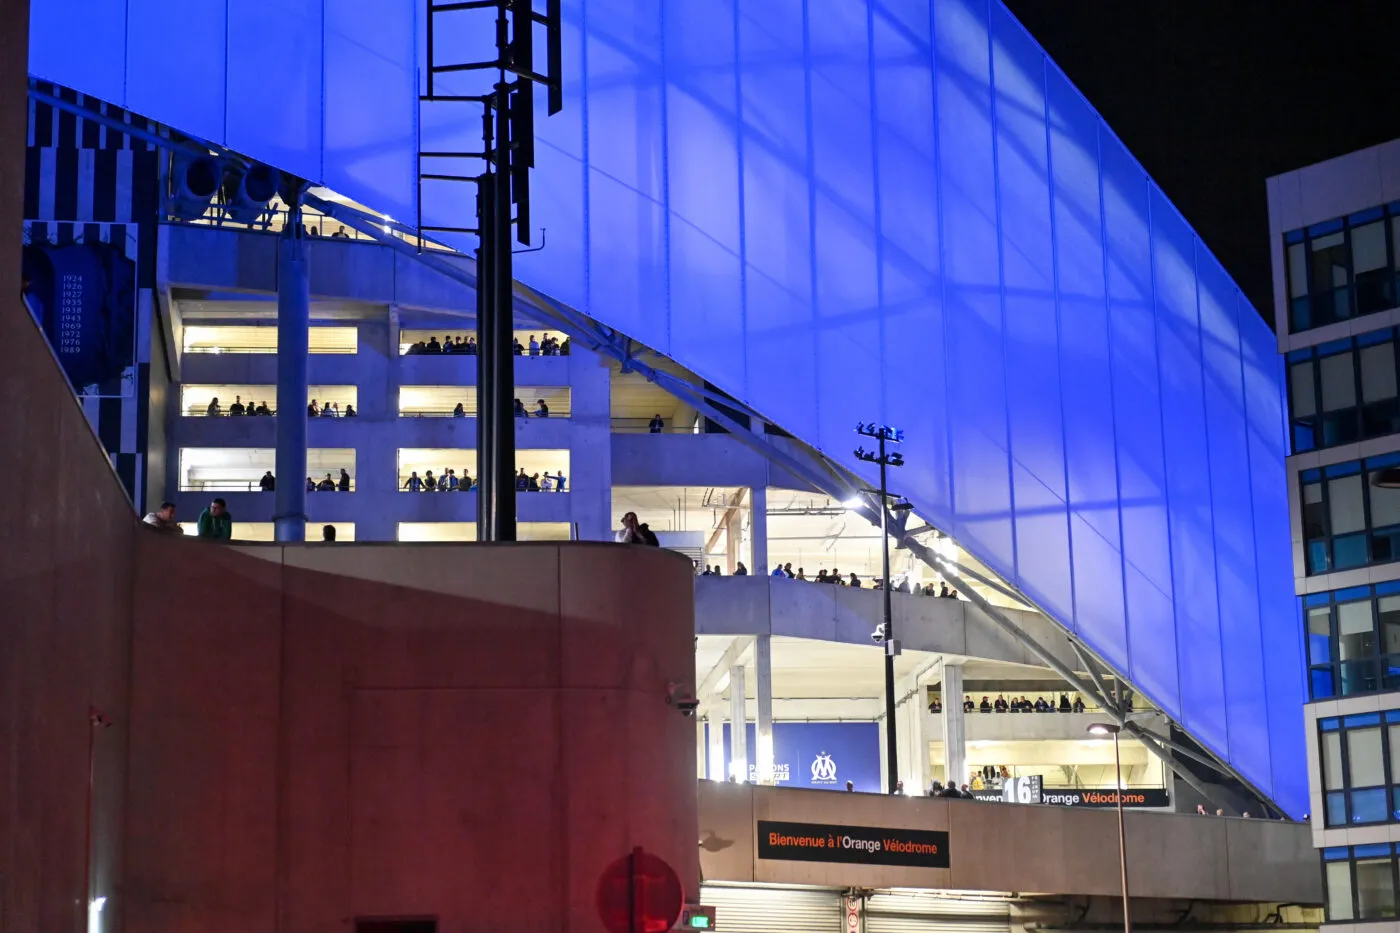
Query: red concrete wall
x=464 y=732
x=66 y=533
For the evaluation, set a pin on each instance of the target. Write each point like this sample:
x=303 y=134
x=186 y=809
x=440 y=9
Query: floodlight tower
x=884 y=435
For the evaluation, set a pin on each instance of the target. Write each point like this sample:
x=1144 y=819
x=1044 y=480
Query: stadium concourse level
x=543 y=345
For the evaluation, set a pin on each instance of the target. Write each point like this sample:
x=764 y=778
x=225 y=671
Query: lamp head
x=1104 y=728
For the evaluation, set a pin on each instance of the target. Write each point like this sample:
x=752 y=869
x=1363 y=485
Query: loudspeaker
x=194 y=180
x=247 y=191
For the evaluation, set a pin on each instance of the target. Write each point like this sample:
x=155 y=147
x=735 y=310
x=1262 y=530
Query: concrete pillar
x=733 y=531
x=738 y=725
x=758 y=530
x=954 y=727
x=701 y=749
x=590 y=446
x=714 y=756
x=885 y=731
x=293 y=338
x=377 y=368
x=763 y=728
x=927 y=727
x=913 y=763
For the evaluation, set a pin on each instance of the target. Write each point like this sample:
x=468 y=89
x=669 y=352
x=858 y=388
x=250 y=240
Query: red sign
x=640 y=893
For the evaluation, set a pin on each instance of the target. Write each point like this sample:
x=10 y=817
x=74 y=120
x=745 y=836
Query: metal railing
x=643 y=426
x=404 y=480
x=240 y=485
x=318 y=226
x=314 y=351
x=562 y=412
x=270 y=413
x=414 y=349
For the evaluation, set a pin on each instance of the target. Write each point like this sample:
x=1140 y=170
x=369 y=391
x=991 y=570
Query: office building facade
x=1333 y=228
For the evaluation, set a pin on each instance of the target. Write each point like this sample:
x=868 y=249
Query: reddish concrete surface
x=466 y=732
x=66 y=533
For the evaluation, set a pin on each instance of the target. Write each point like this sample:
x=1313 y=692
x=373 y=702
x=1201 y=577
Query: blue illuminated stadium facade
x=844 y=210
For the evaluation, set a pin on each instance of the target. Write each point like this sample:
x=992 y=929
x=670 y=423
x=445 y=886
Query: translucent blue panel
x=1237 y=579
x=627 y=260
x=845 y=246
x=625 y=100
x=1365 y=719
x=1188 y=476
x=558 y=186
x=1042 y=534
x=369 y=134
x=704 y=190
x=1138 y=427
x=780 y=343
x=273 y=105
x=707 y=303
x=702 y=159
x=1087 y=383
x=81 y=44
x=972 y=284
x=910 y=270
x=1031 y=324
x=1152 y=640
x=156 y=66
x=1098 y=593
x=1136 y=396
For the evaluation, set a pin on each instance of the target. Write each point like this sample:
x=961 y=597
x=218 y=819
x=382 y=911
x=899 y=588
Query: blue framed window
x=1353 y=640
x=1344 y=391
x=1348 y=521
x=1360 y=764
x=1343 y=268
x=1360 y=882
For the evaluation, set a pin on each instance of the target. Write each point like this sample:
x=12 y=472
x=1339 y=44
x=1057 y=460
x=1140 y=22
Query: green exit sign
x=697 y=917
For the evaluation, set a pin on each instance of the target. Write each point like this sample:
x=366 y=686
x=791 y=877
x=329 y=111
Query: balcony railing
x=270 y=413
x=237 y=485
x=643 y=426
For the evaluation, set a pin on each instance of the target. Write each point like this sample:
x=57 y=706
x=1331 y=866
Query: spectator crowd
x=467 y=346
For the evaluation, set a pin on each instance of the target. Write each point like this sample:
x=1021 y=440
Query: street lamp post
x=885 y=435
x=1108 y=728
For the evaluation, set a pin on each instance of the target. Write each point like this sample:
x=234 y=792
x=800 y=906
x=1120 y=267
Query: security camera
x=878 y=635
x=677 y=696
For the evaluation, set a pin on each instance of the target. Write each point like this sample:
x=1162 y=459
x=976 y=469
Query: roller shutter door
x=774 y=910
x=910 y=912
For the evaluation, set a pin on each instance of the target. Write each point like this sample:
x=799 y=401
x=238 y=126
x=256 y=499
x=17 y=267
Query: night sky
x=1214 y=96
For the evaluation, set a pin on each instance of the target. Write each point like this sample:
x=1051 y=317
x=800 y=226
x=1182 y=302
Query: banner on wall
x=83 y=296
x=861 y=845
x=822 y=755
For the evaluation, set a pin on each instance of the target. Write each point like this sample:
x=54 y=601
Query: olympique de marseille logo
x=823 y=769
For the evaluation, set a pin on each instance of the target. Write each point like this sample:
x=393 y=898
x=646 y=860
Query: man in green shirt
x=215 y=524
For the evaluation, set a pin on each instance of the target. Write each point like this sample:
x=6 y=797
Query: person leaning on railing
x=163 y=520
x=215 y=523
